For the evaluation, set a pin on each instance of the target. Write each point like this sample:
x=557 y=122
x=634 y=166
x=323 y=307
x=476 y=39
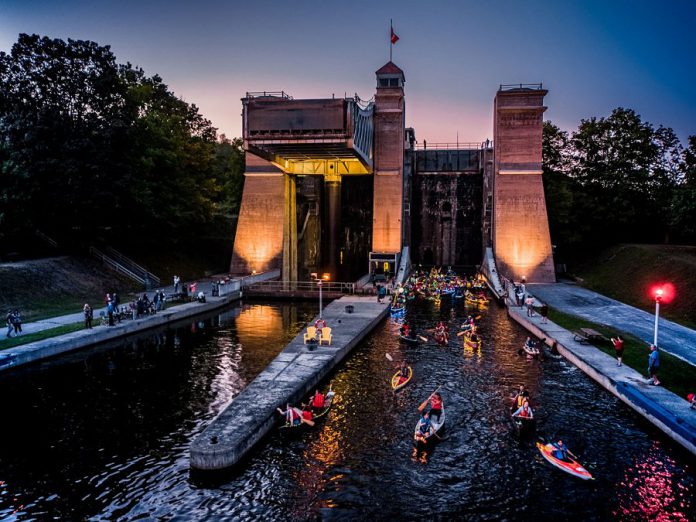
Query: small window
x=393 y=82
x=384 y=82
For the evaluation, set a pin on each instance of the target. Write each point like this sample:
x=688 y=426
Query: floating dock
x=289 y=378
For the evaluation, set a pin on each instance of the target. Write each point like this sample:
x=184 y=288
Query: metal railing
x=115 y=265
x=132 y=265
x=267 y=94
x=303 y=286
x=462 y=145
x=512 y=86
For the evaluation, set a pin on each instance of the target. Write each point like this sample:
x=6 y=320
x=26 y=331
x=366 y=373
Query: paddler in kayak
x=561 y=452
x=435 y=407
x=293 y=416
x=524 y=411
x=520 y=397
x=403 y=372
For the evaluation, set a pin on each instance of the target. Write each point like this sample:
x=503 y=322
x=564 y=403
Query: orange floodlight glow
x=663 y=292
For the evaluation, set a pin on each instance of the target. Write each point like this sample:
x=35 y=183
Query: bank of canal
x=106 y=434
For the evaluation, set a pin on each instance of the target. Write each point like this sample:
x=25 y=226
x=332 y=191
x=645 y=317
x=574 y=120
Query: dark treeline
x=92 y=149
x=617 y=180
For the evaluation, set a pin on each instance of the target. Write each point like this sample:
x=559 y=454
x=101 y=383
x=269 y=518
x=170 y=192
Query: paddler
x=435 y=406
x=405 y=330
x=293 y=416
x=561 y=452
x=403 y=372
x=307 y=412
x=425 y=427
x=520 y=397
x=524 y=411
x=318 y=401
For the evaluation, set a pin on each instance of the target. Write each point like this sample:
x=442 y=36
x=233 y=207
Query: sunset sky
x=593 y=56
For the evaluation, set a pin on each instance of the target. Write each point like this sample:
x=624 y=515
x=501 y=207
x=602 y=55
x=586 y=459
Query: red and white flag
x=394 y=38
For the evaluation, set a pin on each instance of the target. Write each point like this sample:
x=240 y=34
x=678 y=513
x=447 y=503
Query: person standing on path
x=619 y=347
x=177 y=282
x=17 y=322
x=87 y=310
x=544 y=312
x=110 y=311
x=530 y=306
x=10 y=323
x=653 y=365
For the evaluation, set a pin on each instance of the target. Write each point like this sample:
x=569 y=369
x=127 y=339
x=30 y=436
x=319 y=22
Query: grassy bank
x=676 y=375
x=11 y=342
x=627 y=272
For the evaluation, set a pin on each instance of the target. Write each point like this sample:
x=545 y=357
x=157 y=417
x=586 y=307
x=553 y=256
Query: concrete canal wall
x=51 y=347
x=664 y=409
x=290 y=377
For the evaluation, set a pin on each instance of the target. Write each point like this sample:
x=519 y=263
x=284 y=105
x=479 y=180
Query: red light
x=663 y=292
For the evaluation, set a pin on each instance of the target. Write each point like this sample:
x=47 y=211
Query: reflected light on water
x=647 y=490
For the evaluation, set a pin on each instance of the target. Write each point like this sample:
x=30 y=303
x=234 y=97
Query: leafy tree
x=684 y=198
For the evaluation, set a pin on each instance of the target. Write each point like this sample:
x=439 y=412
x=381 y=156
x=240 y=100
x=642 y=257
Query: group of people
x=520 y=405
x=316 y=404
x=434 y=284
x=14 y=322
x=430 y=415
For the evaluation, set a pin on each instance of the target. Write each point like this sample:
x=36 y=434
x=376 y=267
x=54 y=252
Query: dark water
x=106 y=436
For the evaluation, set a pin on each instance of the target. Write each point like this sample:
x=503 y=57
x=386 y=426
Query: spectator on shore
x=17 y=322
x=192 y=288
x=87 y=310
x=10 y=325
x=544 y=312
x=653 y=365
x=156 y=300
x=530 y=306
x=110 y=312
x=177 y=282
x=619 y=347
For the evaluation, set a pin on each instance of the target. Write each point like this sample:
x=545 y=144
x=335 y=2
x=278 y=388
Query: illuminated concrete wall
x=258 y=243
x=521 y=239
x=388 y=162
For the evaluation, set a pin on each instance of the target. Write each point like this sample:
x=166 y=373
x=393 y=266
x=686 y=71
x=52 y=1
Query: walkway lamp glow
x=662 y=293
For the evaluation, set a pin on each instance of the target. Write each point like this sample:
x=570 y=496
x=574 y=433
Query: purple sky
x=593 y=56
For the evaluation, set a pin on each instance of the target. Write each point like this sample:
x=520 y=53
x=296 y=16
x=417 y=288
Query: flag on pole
x=394 y=38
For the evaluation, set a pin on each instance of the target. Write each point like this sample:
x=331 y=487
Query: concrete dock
x=290 y=377
x=666 y=410
x=53 y=346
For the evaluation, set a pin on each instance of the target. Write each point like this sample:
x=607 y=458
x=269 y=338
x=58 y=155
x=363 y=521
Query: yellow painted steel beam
x=322 y=167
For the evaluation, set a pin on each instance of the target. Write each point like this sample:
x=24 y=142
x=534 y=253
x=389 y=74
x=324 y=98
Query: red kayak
x=569 y=466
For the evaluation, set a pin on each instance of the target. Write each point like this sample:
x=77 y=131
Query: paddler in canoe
x=293 y=416
x=519 y=398
x=441 y=336
x=524 y=411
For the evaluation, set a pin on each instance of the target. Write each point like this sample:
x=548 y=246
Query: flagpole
x=391 y=45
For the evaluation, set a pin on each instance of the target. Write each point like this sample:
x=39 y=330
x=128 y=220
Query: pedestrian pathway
x=78 y=317
x=664 y=409
x=575 y=300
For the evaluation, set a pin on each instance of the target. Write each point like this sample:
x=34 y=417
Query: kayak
x=473 y=345
x=569 y=466
x=396 y=385
x=408 y=339
x=327 y=406
x=532 y=351
x=476 y=302
x=420 y=441
x=397 y=309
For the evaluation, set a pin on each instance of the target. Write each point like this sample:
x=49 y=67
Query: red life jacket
x=307 y=414
x=318 y=401
x=436 y=403
x=524 y=413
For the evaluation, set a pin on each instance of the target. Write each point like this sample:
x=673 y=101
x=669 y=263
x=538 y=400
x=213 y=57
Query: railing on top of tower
x=521 y=86
x=461 y=145
x=269 y=94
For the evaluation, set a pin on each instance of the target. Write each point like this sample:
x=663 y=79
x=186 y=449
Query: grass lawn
x=39 y=336
x=676 y=375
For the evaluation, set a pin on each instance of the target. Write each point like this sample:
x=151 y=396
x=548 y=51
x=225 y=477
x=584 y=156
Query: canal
x=105 y=434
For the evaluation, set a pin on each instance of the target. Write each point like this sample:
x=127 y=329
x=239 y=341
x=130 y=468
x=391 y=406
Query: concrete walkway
x=575 y=300
x=666 y=410
x=289 y=378
x=78 y=317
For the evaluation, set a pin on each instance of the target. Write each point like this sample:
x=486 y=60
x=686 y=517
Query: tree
x=683 y=206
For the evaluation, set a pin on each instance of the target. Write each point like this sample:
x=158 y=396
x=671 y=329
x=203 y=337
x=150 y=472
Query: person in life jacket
x=307 y=412
x=405 y=330
x=520 y=398
x=293 y=416
x=561 y=452
x=318 y=401
x=435 y=406
x=425 y=427
x=524 y=411
x=403 y=372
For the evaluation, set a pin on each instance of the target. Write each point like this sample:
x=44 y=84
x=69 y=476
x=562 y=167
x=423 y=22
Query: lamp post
x=319 y=285
x=659 y=292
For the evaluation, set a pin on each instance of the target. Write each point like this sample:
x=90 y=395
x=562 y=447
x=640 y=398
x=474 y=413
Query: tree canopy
x=90 y=147
x=617 y=179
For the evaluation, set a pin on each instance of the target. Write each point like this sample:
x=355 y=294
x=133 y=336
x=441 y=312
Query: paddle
x=424 y=339
x=391 y=359
x=425 y=402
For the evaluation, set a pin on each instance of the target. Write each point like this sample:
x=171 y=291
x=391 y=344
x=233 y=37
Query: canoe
x=421 y=442
x=395 y=380
x=397 y=309
x=569 y=466
x=413 y=340
x=472 y=345
x=327 y=406
x=524 y=425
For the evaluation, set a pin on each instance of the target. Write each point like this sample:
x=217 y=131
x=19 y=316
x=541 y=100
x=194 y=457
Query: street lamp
x=659 y=293
x=319 y=285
